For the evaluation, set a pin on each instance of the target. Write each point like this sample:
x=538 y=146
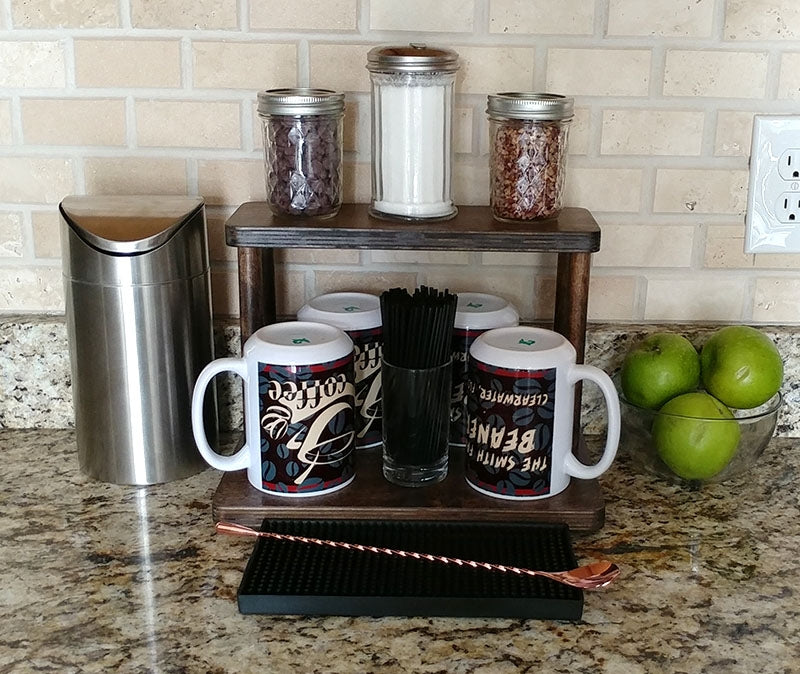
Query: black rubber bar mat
x=287 y=577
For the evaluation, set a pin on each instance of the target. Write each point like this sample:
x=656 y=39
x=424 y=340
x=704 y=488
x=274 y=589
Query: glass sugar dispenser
x=412 y=128
x=528 y=151
x=302 y=150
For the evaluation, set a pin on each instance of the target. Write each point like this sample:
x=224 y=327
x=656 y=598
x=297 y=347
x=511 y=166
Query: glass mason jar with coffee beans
x=303 y=150
x=528 y=152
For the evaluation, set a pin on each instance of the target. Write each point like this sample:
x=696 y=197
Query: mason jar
x=527 y=155
x=302 y=150
x=412 y=131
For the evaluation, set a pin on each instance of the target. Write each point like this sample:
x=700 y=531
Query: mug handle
x=574 y=467
x=240 y=459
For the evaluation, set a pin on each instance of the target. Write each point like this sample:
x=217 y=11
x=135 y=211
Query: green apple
x=741 y=366
x=659 y=367
x=696 y=435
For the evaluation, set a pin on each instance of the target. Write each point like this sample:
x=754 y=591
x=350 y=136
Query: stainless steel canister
x=138 y=304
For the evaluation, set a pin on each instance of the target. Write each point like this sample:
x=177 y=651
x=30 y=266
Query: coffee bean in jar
x=303 y=150
x=528 y=152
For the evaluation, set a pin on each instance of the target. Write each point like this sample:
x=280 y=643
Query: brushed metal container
x=138 y=305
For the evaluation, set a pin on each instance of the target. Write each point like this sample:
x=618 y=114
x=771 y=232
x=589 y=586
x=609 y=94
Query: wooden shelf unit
x=256 y=233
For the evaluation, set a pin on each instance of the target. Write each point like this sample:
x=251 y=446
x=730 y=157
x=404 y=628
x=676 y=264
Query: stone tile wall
x=138 y=96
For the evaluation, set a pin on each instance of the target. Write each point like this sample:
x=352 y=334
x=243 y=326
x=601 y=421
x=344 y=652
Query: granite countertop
x=99 y=578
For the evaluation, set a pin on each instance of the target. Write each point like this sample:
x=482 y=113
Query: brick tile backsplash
x=6 y=131
x=612 y=296
x=490 y=69
x=46 y=238
x=311 y=15
x=242 y=65
x=777 y=300
x=35 y=180
x=76 y=121
x=721 y=299
x=10 y=234
x=231 y=182
x=716 y=74
x=33 y=65
x=135 y=175
x=187 y=124
x=186 y=14
x=646 y=246
x=700 y=191
x=789 y=82
x=143 y=96
x=652 y=132
x=662 y=18
x=599 y=72
x=72 y=14
x=734 y=131
x=452 y=16
x=559 y=17
x=762 y=20
x=127 y=63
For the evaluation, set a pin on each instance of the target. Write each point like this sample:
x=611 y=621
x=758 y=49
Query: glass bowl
x=756 y=427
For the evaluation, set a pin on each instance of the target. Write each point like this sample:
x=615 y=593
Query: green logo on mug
x=352 y=308
x=300 y=340
x=527 y=342
x=475 y=305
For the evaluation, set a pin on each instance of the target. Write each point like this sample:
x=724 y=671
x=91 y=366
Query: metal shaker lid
x=416 y=57
x=127 y=225
x=300 y=101
x=525 y=105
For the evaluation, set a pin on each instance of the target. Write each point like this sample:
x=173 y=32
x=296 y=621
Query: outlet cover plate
x=776 y=141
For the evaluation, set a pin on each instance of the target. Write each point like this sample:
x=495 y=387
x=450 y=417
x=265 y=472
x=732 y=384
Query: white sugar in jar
x=412 y=130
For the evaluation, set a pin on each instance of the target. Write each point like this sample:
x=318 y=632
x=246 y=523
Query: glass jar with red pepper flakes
x=528 y=152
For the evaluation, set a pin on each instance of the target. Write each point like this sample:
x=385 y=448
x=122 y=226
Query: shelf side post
x=257 y=305
x=572 y=300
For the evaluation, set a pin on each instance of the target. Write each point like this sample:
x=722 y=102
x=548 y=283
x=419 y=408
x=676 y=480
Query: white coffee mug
x=298 y=409
x=520 y=411
x=359 y=315
x=475 y=314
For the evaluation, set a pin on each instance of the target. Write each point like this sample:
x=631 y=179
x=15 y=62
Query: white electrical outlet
x=772 y=222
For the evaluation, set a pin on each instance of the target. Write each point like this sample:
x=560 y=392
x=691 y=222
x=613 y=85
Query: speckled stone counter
x=35 y=387
x=101 y=578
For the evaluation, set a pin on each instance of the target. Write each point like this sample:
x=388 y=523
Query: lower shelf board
x=371 y=497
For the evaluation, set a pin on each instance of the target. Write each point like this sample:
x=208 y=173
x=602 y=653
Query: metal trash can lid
x=127 y=225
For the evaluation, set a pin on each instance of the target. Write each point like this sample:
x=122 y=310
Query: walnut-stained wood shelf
x=369 y=496
x=256 y=232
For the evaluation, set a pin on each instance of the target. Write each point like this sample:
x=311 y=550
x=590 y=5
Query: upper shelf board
x=473 y=228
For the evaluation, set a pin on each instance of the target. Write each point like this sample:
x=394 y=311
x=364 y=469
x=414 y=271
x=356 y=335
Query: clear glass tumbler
x=416 y=423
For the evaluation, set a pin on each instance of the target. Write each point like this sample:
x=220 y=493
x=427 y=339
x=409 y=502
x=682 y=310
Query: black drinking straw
x=417 y=335
x=417 y=329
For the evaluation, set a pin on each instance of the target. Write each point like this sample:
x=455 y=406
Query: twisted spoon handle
x=583 y=582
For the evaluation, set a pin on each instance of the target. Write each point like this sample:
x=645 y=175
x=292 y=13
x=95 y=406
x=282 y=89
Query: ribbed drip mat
x=286 y=577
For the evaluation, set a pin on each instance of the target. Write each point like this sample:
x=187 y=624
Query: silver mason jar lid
x=522 y=105
x=299 y=102
x=416 y=57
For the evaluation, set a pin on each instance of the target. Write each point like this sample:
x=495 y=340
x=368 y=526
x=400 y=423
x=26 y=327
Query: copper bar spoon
x=589 y=577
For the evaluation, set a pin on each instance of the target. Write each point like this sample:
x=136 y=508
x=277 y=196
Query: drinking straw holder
x=417 y=424
x=416 y=376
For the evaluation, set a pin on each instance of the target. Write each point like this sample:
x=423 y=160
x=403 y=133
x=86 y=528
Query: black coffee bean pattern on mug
x=304 y=163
